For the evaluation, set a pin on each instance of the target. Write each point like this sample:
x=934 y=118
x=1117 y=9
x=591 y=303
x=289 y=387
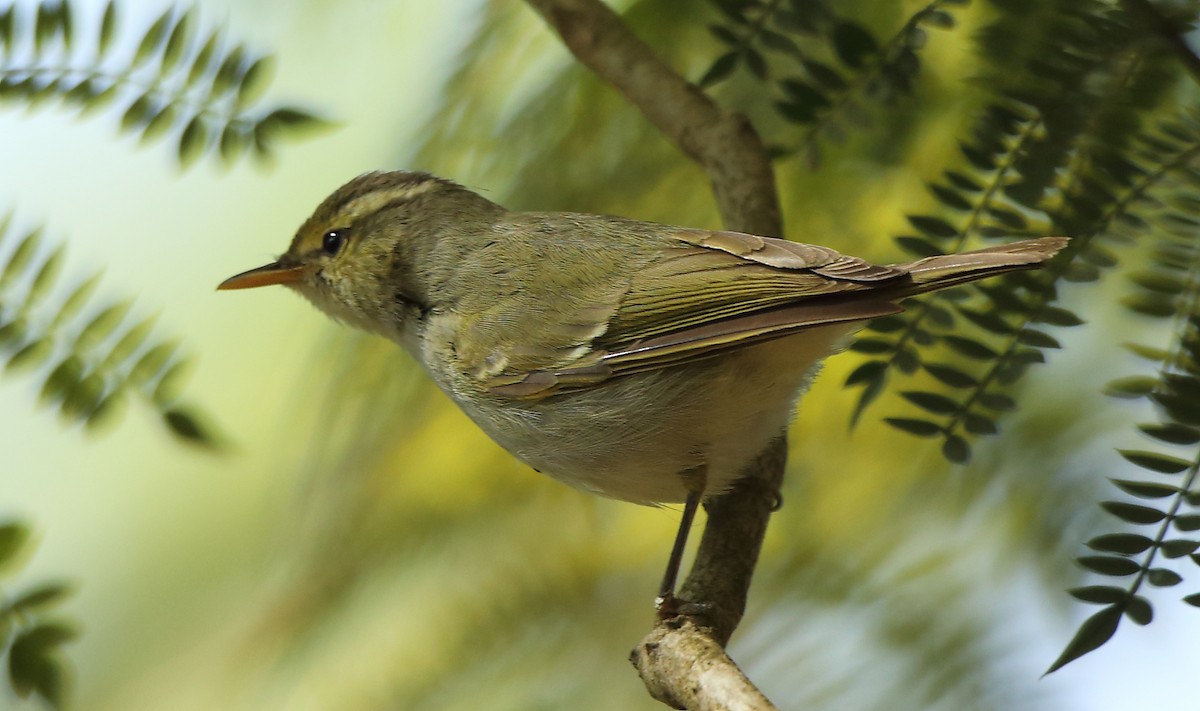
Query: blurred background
x=355 y=543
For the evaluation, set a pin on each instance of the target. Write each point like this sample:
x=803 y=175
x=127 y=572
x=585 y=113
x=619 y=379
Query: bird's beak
x=266 y=275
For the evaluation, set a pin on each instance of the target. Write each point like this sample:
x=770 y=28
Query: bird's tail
x=945 y=270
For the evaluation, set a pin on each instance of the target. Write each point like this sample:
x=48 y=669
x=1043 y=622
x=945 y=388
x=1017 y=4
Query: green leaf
x=253 y=82
x=177 y=42
x=1179 y=547
x=193 y=140
x=108 y=25
x=979 y=424
x=13 y=537
x=1155 y=461
x=720 y=69
x=931 y=402
x=853 y=43
x=202 y=62
x=1172 y=433
x=921 y=428
x=21 y=256
x=1092 y=634
x=1037 y=339
x=1188 y=522
x=955 y=449
x=1138 y=609
x=1146 y=490
x=1100 y=594
x=1193 y=599
x=153 y=39
x=1163 y=578
x=1109 y=565
x=970 y=348
x=949 y=197
x=1133 y=513
x=949 y=375
x=868 y=371
x=229 y=72
x=1123 y=543
x=1131 y=387
x=186 y=427
x=932 y=226
x=996 y=401
x=42 y=596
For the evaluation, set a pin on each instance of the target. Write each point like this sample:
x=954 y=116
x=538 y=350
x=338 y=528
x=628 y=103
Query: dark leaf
x=949 y=197
x=996 y=401
x=1109 y=565
x=756 y=63
x=1193 y=600
x=970 y=348
x=1123 y=543
x=932 y=226
x=1163 y=578
x=853 y=43
x=918 y=246
x=956 y=449
x=1133 y=513
x=1138 y=609
x=1037 y=339
x=1154 y=461
x=869 y=371
x=720 y=69
x=931 y=402
x=1188 y=522
x=1179 y=547
x=185 y=425
x=1056 y=316
x=1092 y=634
x=1146 y=490
x=1100 y=594
x=950 y=375
x=825 y=75
x=979 y=424
x=921 y=428
x=1172 y=433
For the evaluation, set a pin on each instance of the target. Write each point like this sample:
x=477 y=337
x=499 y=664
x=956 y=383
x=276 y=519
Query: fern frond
x=31 y=640
x=200 y=91
x=90 y=360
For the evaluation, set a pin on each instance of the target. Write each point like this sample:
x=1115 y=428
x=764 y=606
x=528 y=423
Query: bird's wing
x=702 y=293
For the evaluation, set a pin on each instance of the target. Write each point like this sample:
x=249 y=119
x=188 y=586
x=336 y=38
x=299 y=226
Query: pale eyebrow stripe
x=376 y=200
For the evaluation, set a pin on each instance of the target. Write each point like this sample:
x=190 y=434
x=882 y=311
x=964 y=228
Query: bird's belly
x=634 y=437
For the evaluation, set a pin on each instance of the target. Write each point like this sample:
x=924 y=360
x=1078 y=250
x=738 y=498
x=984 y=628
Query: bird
x=634 y=360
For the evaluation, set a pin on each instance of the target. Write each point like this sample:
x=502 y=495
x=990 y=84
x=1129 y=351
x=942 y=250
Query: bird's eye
x=333 y=241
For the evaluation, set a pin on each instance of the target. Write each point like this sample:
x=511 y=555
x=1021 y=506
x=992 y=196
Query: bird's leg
x=666 y=603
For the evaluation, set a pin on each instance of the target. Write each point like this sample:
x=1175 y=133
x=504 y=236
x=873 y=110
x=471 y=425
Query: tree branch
x=682 y=661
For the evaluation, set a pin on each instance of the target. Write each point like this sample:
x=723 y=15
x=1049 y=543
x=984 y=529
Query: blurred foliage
x=31 y=637
x=199 y=88
x=90 y=360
